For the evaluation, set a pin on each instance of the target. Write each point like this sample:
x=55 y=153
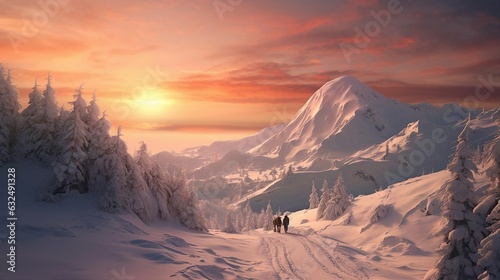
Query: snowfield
x=72 y=239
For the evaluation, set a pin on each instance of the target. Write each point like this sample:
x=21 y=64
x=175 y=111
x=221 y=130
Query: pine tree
x=28 y=120
x=489 y=251
x=214 y=222
x=262 y=218
x=463 y=230
x=49 y=115
x=99 y=154
x=126 y=190
x=73 y=158
x=268 y=220
x=93 y=112
x=143 y=161
x=339 y=201
x=325 y=197
x=80 y=105
x=70 y=147
x=184 y=204
x=250 y=222
x=114 y=199
x=228 y=224
x=9 y=107
x=161 y=191
x=313 y=197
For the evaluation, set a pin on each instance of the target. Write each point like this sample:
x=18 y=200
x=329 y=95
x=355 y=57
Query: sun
x=153 y=103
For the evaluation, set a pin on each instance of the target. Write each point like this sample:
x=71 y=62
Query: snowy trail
x=299 y=255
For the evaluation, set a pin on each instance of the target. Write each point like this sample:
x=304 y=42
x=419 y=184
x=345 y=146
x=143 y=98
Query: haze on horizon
x=183 y=73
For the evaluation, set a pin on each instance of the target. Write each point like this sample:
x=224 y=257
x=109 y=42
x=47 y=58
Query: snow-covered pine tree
x=60 y=127
x=79 y=104
x=268 y=220
x=12 y=100
x=239 y=221
x=184 y=204
x=73 y=158
x=143 y=161
x=313 y=197
x=229 y=225
x=339 y=201
x=48 y=118
x=248 y=217
x=325 y=197
x=214 y=222
x=250 y=220
x=99 y=154
x=463 y=230
x=161 y=190
x=115 y=197
x=28 y=121
x=93 y=111
x=9 y=107
x=489 y=250
x=262 y=218
x=126 y=190
x=71 y=148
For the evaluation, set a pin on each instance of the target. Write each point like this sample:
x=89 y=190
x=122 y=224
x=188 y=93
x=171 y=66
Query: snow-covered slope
x=400 y=243
x=72 y=239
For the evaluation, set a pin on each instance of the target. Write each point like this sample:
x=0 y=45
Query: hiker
x=278 y=223
x=275 y=223
x=286 y=222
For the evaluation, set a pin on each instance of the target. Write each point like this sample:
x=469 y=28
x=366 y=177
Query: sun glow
x=154 y=103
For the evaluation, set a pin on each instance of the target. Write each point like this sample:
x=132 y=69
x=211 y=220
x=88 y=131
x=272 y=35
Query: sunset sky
x=183 y=73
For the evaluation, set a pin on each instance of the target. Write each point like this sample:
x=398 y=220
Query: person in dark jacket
x=278 y=223
x=275 y=223
x=286 y=222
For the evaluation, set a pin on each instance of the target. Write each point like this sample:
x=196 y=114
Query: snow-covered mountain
x=343 y=117
x=347 y=129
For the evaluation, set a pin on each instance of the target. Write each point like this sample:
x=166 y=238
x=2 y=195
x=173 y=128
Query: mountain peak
x=347 y=80
x=348 y=87
x=341 y=102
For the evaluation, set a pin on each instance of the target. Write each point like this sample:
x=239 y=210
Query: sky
x=181 y=73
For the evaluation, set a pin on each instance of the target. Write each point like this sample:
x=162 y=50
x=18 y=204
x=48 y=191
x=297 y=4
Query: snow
x=86 y=243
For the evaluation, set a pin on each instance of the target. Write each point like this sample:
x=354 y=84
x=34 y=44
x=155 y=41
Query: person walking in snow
x=286 y=222
x=275 y=223
x=278 y=223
